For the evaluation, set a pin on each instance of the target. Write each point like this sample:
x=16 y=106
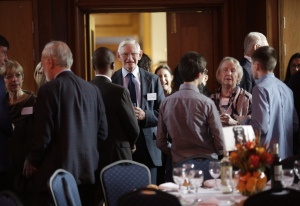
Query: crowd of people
x=155 y=119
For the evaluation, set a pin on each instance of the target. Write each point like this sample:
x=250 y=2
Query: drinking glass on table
x=196 y=179
x=287 y=177
x=188 y=169
x=179 y=176
x=214 y=171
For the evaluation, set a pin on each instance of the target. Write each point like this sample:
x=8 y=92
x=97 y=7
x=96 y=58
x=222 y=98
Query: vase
x=251 y=182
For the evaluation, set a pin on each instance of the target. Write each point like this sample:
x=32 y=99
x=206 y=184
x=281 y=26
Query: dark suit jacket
x=247 y=81
x=69 y=122
x=149 y=84
x=123 y=128
x=5 y=128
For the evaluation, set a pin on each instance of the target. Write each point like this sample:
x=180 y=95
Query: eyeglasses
x=10 y=76
x=129 y=54
x=294 y=66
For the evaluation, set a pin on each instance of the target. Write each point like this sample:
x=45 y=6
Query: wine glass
x=188 y=169
x=196 y=179
x=179 y=176
x=287 y=177
x=214 y=171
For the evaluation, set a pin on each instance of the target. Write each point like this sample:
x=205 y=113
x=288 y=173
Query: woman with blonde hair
x=20 y=104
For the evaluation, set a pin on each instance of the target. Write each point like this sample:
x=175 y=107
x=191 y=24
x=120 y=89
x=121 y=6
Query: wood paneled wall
x=63 y=20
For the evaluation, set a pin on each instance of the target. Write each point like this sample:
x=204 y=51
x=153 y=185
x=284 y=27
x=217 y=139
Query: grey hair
x=253 y=38
x=129 y=41
x=237 y=66
x=60 y=53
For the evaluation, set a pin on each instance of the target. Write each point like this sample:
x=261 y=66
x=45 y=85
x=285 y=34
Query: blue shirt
x=273 y=112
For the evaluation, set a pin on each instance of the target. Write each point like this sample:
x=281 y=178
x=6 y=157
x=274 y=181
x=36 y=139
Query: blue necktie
x=131 y=88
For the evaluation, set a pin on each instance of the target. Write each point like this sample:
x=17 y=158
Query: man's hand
x=133 y=149
x=139 y=113
x=28 y=169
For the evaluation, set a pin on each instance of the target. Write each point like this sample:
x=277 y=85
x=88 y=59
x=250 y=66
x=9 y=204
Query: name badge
x=151 y=96
x=27 y=110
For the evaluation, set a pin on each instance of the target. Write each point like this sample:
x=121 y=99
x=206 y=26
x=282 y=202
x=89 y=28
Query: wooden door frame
x=88 y=7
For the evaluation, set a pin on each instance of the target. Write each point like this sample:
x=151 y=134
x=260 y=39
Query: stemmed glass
x=196 y=179
x=214 y=171
x=179 y=176
x=287 y=177
x=297 y=169
x=188 y=169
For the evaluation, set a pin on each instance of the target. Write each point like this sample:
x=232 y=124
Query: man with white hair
x=146 y=95
x=70 y=121
x=253 y=41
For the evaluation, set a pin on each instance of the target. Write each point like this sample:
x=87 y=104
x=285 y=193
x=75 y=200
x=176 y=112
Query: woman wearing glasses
x=293 y=67
x=230 y=99
x=20 y=104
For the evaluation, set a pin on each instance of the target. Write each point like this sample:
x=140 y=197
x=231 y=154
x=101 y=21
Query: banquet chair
x=201 y=162
x=8 y=198
x=64 y=189
x=148 y=197
x=122 y=177
x=274 y=197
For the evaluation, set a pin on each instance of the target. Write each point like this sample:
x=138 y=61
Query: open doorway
x=149 y=29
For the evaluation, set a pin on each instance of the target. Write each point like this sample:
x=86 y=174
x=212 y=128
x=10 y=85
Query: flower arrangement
x=251 y=159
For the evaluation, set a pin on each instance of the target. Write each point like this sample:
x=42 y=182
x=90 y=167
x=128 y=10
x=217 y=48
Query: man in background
x=273 y=111
x=123 y=128
x=146 y=94
x=190 y=118
x=5 y=120
x=69 y=123
x=253 y=41
x=4 y=46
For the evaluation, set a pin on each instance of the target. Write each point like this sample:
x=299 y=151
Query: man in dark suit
x=5 y=120
x=146 y=96
x=123 y=128
x=253 y=41
x=70 y=121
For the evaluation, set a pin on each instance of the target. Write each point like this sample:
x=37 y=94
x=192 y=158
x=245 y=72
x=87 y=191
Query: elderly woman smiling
x=21 y=104
x=230 y=99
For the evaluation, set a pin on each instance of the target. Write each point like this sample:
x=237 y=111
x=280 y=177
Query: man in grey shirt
x=188 y=117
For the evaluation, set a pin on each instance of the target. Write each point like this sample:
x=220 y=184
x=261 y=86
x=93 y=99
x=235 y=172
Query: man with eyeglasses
x=5 y=120
x=146 y=95
x=252 y=42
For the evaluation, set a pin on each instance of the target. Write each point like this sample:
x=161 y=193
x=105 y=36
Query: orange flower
x=254 y=160
x=250 y=145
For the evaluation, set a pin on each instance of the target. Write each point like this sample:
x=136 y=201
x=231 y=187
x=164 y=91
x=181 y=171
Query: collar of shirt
x=189 y=86
x=270 y=74
x=65 y=70
x=247 y=57
x=135 y=72
x=101 y=75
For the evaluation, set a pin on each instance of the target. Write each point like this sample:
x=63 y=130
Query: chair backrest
x=148 y=197
x=122 y=177
x=8 y=198
x=200 y=162
x=279 y=197
x=64 y=189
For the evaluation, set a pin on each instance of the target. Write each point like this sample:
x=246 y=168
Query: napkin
x=211 y=183
x=212 y=201
x=168 y=186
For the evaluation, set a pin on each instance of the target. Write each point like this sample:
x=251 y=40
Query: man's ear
x=141 y=54
x=118 y=55
x=113 y=66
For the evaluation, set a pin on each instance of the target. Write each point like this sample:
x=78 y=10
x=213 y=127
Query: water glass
x=287 y=177
x=179 y=176
x=196 y=179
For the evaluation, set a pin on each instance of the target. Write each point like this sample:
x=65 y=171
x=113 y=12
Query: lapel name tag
x=151 y=96
x=27 y=110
